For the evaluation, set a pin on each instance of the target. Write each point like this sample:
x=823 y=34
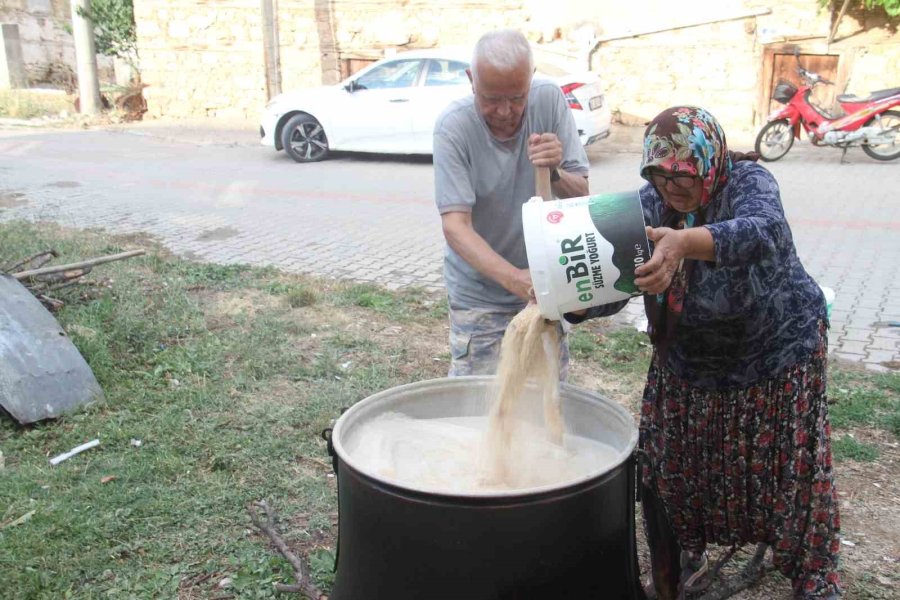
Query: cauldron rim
x=568 y=392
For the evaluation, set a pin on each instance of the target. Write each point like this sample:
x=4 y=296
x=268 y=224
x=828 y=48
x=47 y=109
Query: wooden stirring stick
x=542 y=183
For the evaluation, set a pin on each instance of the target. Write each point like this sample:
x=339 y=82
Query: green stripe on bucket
x=616 y=217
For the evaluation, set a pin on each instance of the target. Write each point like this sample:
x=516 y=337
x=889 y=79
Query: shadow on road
x=367 y=157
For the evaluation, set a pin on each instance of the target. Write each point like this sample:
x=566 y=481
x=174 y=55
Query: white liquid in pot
x=448 y=455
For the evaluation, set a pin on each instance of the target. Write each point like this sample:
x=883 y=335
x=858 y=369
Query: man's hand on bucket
x=545 y=150
x=519 y=283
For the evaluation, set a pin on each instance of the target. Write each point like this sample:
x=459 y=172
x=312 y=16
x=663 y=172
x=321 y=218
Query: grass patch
x=30 y=104
x=219 y=277
x=865 y=399
x=624 y=351
x=399 y=306
x=861 y=399
x=298 y=295
x=301 y=297
x=845 y=447
x=223 y=404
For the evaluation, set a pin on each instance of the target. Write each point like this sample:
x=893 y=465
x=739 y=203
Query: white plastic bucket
x=829 y=299
x=582 y=252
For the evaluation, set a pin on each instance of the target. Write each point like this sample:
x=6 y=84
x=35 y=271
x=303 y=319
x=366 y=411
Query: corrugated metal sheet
x=42 y=374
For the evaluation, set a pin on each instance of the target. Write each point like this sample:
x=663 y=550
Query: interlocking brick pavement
x=210 y=193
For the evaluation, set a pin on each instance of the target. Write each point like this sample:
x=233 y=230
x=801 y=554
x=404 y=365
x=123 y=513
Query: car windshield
x=446 y=72
x=393 y=74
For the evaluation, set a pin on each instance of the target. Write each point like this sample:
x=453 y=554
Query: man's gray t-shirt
x=491 y=178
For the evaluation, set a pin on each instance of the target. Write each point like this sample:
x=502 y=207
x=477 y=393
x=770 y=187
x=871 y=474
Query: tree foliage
x=114 y=27
x=891 y=7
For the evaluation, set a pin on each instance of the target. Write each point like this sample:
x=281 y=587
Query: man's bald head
x=505 y=50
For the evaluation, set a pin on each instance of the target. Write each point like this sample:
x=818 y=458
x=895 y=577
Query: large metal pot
x=574 y=541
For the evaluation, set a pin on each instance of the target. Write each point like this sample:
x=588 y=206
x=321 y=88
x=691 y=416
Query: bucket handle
x=326 y=435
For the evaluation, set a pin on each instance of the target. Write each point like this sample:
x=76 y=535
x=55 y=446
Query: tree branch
x=36 y=261
x=837 y=23
x=79 y=265
x=303 y=585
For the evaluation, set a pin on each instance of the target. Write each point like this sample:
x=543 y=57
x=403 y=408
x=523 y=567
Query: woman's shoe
x=649 y=589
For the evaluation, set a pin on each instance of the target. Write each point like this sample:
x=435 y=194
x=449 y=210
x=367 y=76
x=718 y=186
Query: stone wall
x=713 y=66
x=373 y=25
x=300 y=48
x=202 y=58
x=721 y=65
x=874 y=55
x=205 y=58
x=876 y=67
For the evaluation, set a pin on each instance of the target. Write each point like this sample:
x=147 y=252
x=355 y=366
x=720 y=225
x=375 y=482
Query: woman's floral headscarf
x=688 y=140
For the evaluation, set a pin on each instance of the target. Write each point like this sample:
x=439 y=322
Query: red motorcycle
x=867 y=122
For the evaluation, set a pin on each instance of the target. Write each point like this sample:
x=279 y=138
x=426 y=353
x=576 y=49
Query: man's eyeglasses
x=684 y=182
x=518 y=100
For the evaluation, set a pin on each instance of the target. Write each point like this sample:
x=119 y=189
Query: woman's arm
x=671 y=246
x=757 y=230
x=594 y=312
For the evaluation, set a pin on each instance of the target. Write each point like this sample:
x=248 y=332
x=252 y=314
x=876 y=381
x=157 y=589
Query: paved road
x=215 y=195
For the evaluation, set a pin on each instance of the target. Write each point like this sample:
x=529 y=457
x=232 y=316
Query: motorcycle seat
x=853 y=98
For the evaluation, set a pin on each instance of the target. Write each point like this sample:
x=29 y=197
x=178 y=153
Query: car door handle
x=399 y=100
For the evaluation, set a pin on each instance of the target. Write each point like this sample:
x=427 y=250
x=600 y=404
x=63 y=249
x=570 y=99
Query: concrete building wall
x=48 y=48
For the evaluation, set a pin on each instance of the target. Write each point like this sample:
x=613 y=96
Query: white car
x=391 y=106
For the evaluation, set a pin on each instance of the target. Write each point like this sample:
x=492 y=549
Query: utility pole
x=86 y=58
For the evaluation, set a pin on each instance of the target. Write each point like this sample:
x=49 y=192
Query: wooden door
x=349 y=66
x=784 y=68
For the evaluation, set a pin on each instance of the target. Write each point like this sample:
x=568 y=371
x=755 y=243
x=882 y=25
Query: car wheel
x=304 y=139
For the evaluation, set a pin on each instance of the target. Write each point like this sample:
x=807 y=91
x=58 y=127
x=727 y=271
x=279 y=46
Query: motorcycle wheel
x=889 y=121
x=774 y=140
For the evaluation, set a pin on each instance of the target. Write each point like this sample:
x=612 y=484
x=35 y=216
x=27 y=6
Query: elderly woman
x=734 y=420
